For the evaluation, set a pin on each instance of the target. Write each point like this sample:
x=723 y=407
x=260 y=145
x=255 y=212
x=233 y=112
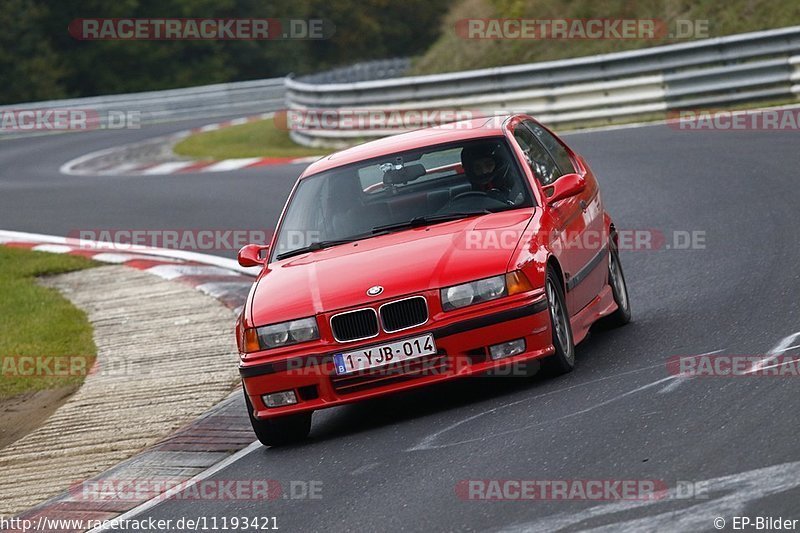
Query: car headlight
x=473 y=292
x=287 y=333
x=483 y=290
x=458 y=296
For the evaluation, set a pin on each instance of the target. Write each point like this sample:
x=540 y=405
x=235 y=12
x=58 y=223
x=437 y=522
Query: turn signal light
x=517 y=282
x=251 y=340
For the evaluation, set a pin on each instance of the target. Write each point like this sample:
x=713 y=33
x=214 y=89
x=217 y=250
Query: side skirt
x=602 y=305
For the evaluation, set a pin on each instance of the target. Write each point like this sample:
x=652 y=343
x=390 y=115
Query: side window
x=555 y=148
x=543 y=166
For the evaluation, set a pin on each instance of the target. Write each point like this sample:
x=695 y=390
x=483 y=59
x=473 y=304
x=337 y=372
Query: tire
x=563 y=361
x=279 y=431
x=619 y=288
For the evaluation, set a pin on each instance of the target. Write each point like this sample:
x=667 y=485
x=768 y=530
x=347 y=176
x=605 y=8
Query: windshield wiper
x=427 y=220
x=314 y=246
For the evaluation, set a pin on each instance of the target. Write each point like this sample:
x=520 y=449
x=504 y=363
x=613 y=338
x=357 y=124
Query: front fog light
x=279 y=399
x=507 y=349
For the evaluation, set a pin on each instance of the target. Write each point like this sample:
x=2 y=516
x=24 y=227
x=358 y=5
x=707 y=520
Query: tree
x=42 y=60
x=31 y=69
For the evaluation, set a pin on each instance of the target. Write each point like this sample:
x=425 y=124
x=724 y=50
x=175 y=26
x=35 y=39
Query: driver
x=488 y=171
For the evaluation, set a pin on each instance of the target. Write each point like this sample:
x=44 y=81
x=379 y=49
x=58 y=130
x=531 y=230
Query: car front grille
x=404 y=314
x=355 y=325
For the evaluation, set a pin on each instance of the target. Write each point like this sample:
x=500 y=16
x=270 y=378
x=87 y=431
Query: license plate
x=385 y=354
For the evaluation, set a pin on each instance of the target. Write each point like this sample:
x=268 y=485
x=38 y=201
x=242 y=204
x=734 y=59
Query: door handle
x=583 y=205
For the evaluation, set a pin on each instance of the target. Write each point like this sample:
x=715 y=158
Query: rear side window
x=555 y=148
x=542 y=165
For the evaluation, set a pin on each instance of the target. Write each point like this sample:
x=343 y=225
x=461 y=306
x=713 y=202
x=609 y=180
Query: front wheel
x=563 y=360
x=279 y=431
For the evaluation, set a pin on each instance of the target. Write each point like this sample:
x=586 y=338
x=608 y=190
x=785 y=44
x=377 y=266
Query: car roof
x=454 y=131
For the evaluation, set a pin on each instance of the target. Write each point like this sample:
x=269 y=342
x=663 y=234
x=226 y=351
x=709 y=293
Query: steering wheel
x=494 y=194
x=469 y=194
x=472 y=201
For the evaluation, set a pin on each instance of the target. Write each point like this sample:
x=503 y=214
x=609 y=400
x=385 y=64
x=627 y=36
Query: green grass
x=37 y=321
x=452 y=53
x=254 y=139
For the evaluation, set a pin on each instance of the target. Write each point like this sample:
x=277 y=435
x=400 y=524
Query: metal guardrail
x=368 y=70
x=605 y=88
x=208 y=101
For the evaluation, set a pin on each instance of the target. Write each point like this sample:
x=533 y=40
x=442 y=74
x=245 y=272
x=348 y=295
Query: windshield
x=350 y=202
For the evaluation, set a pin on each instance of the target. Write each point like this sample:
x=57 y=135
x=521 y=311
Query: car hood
x=403 y=262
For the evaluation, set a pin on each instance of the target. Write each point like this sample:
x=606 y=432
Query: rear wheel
x=279 y=431
x=616 y=279
x=563 y=360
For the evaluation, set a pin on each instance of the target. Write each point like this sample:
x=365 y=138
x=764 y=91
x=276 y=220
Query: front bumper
x=462 y=351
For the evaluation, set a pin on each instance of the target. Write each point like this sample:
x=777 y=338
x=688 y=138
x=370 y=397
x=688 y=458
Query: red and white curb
x=77 y=166
x=221 y=278
x=189 y=167
x=193 y=453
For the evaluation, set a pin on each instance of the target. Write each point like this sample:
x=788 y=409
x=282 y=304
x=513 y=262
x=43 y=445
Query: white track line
x=178 y=271
x=427 y=443
x=69 y=167
x=680 y=380
x=52 y=248
x=168 y=168
x=230 y=164
x=111 y=257
x=784 y=345
x=119 y=169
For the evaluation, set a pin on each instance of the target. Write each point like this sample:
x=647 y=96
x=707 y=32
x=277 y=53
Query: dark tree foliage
x=29 y=66
x=39 y=59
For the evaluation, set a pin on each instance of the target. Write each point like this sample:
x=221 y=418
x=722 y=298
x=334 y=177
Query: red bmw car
x=433 y=255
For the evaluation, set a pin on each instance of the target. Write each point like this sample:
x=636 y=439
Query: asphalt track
x=394 y=464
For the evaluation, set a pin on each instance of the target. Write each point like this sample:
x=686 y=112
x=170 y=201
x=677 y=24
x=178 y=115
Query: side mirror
x=564 y=187
x=253 y=255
